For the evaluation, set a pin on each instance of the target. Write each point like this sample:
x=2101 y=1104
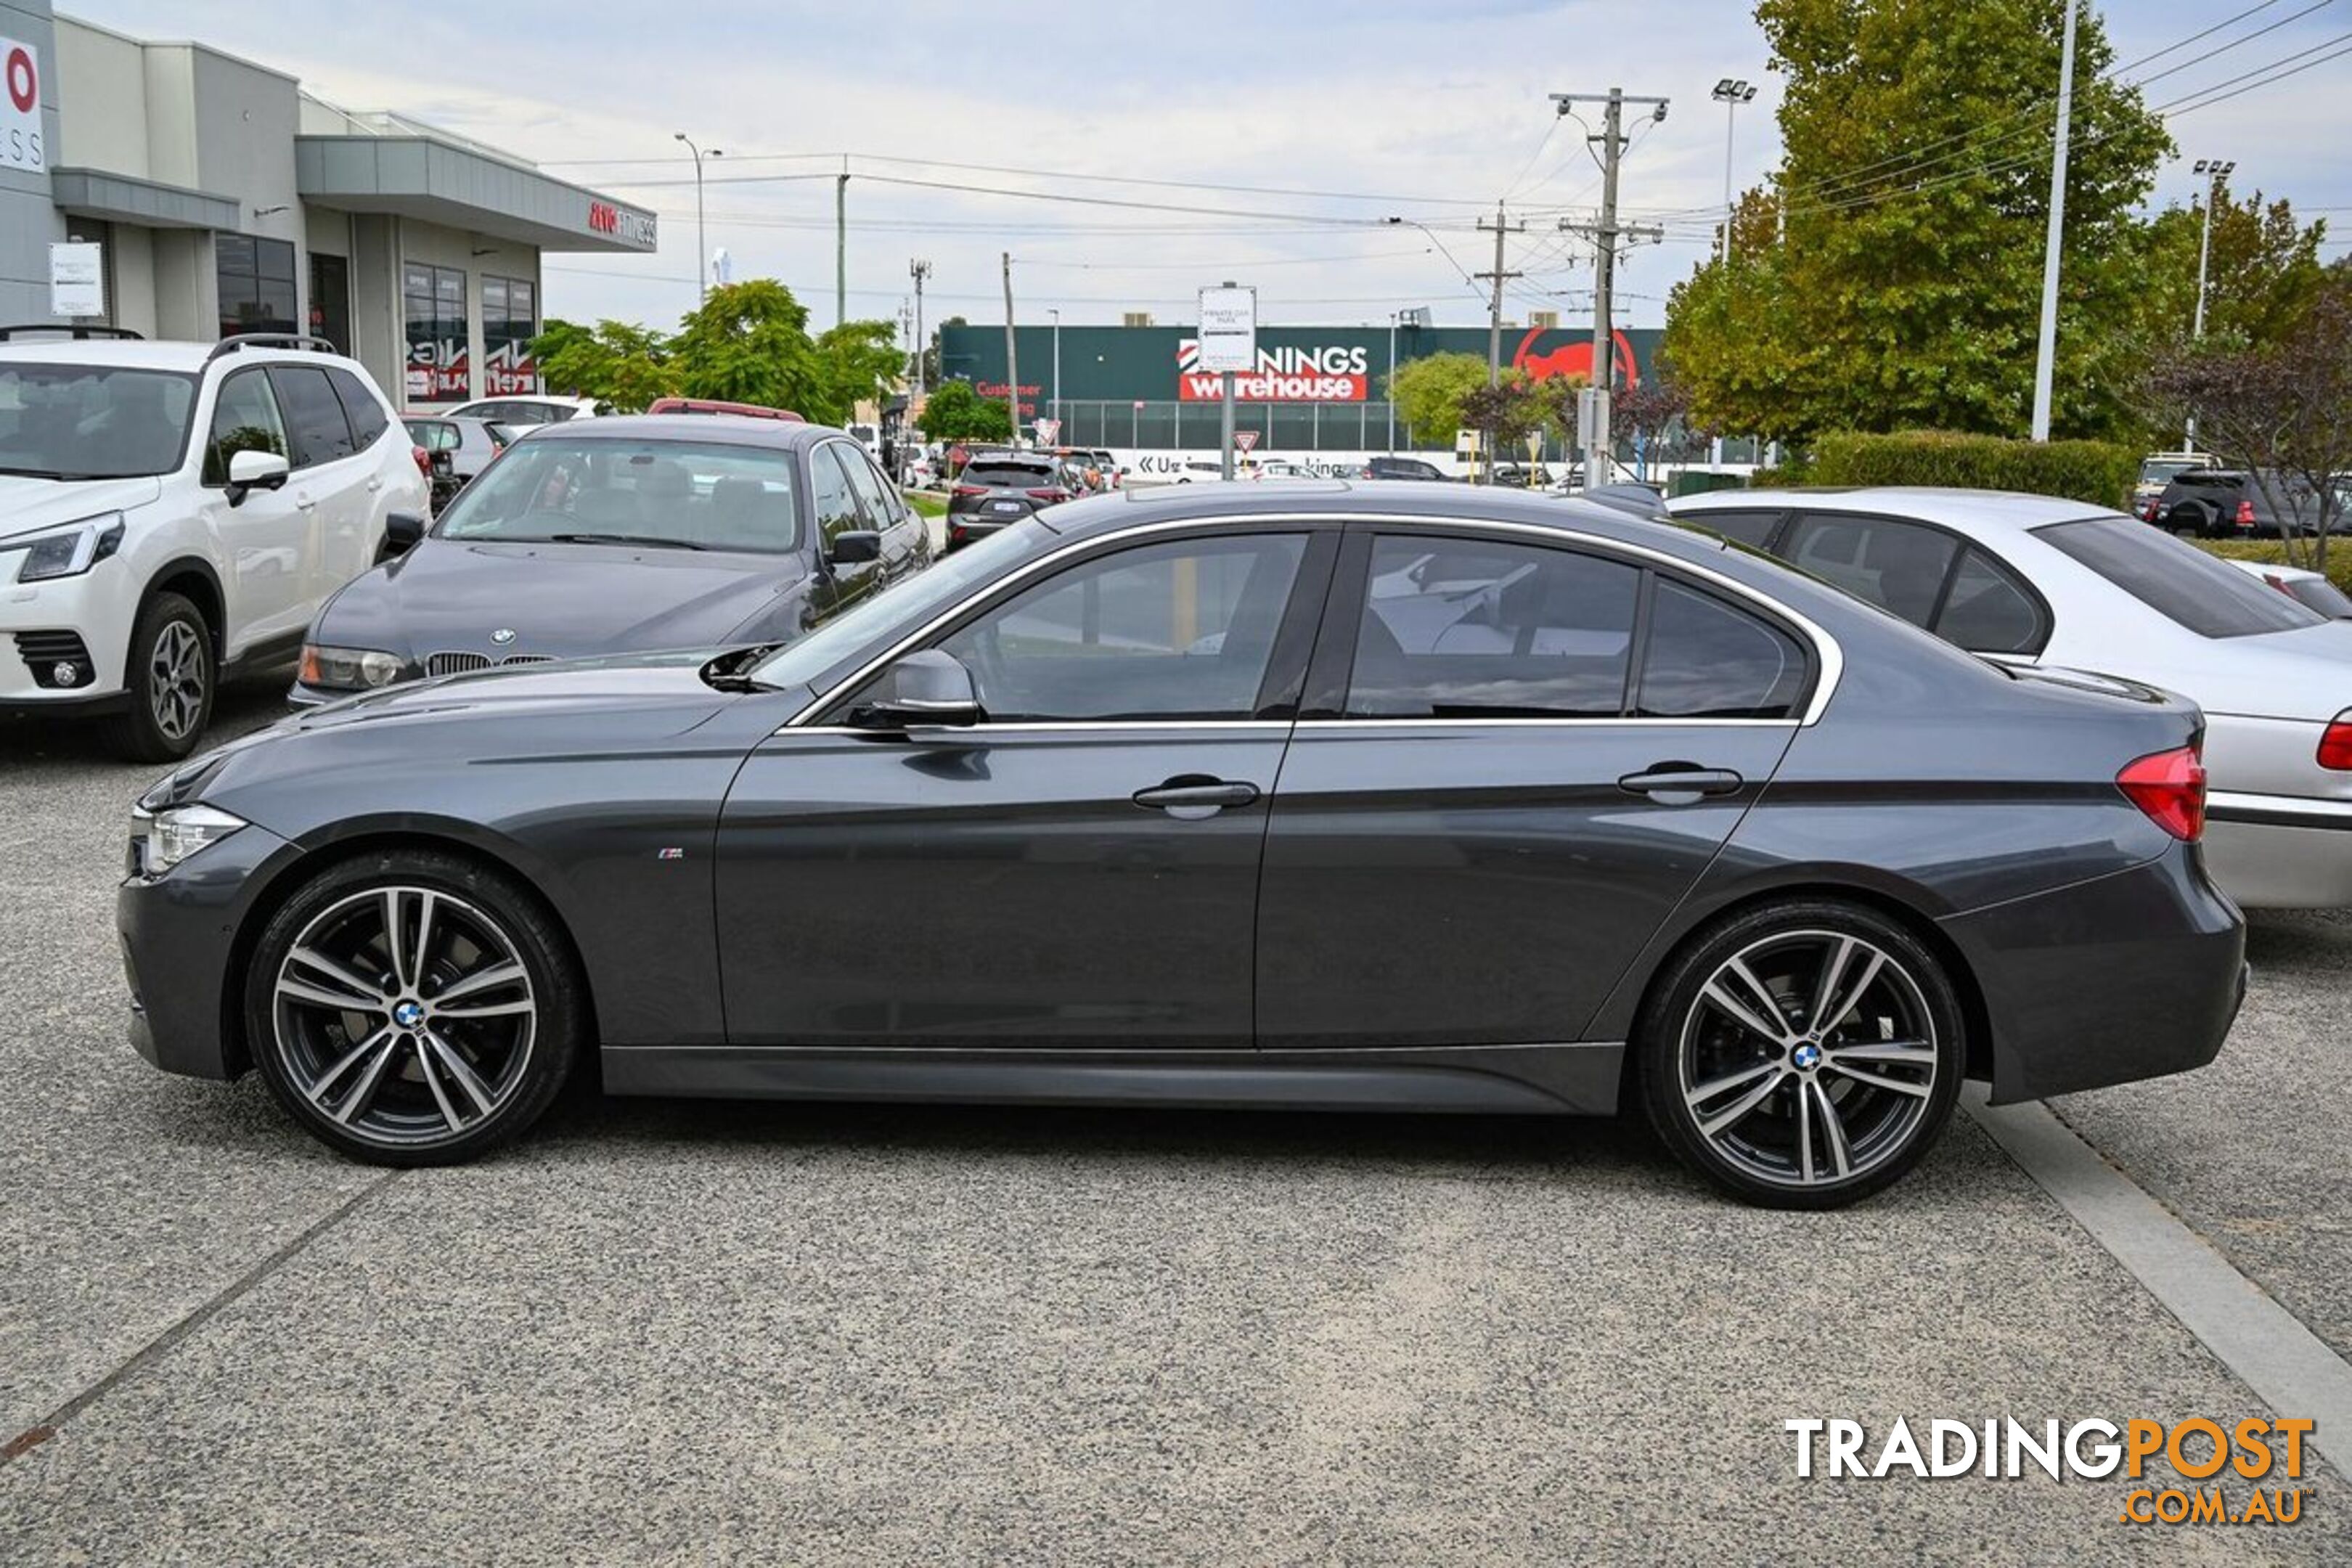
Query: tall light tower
x=2217 y=172
x=701 y=239
x=1731 y=94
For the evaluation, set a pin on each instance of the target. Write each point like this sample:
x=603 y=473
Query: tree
x=1509 y=412
x=625 y=365
x=2262 y=273
x=2281 y=410
x=1428 y=391
x=1899 y=283
x=954 y=412
x=749 y=342
x=855 y=361
x=1656 y=412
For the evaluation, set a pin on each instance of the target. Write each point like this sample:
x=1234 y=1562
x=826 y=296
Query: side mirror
x=401 y=530
x=443 y=463
x=926 y=689
x=853 y=546
x=255 y=470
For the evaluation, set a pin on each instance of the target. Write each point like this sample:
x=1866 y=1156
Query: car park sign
x=1228 y=340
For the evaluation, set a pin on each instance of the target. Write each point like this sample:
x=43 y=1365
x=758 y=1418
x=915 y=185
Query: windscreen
x=92 y=422
x=1009 y=475
x=2178 y=581
x=685 y=495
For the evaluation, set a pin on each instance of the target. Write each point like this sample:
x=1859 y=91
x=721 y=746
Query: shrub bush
x=2097 y=472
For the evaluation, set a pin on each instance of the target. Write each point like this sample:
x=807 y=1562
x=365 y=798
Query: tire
x=459 y=1033
x=1770 y=1101
x=169 y=676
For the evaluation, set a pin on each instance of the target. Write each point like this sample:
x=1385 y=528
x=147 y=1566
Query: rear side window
x=1704 y=659
x=1750 y=527
x=316 y=430
x=361 y=410
x=2178 y=581
x=1987 y=610
x=1898 y=567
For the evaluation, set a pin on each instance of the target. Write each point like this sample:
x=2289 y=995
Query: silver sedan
x=2035 y=579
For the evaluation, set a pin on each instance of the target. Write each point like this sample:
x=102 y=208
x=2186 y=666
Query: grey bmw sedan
x=1386 y=797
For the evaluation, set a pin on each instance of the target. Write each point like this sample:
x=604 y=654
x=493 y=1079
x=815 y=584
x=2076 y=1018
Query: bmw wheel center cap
x=408 y=1015
x=1807 y=1055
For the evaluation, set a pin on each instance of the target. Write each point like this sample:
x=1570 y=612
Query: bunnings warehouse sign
x=1295 y=364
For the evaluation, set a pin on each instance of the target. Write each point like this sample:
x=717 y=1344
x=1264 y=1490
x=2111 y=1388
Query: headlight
x=69 y=552
x=161 y=840
x=350 y=669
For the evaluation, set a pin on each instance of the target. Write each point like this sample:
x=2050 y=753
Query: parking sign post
x=1228 y=345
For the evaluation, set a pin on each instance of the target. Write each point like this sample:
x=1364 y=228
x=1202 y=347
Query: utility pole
x=2216 y=172
x=1600 y=450
x=841 y=247
x=1012 y=363
x=919 y=270
x=1494 y=326
x=2046 y=354
x=1055 y=394
x=701 y=237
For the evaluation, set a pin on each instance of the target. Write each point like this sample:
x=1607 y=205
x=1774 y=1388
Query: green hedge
x=2098 y=472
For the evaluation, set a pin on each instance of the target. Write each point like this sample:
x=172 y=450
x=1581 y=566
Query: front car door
x=905 y=544
x=265 y=536
x=1514 y=757
x=1077 y=870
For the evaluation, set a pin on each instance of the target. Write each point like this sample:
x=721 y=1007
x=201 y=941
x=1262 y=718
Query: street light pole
x=1054 y=395
x=2216 y=171
x=1391 y=383
x=1731 y=94
x=701 y=237
x=2045 y=358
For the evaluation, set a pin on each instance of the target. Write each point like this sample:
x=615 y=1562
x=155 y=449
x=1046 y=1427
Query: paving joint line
x=2237 y=1321
x=146 y=1355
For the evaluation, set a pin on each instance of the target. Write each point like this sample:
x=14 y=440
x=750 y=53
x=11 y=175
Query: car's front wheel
x=1802 y=1055
x=168 y=680
x=411 y=1008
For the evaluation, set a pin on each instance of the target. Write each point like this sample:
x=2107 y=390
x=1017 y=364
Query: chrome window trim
x=1058 y=726
x=1826 y=651
x=2281 y=805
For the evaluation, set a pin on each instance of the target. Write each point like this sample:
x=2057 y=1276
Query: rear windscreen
x=2178 y=581
x=1010 y=476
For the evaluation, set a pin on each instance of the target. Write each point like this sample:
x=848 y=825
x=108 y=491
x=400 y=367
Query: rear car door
x=1514 y=758
x=350 y=555
x=1079 y=869
x=265 y=533
x=330 y=478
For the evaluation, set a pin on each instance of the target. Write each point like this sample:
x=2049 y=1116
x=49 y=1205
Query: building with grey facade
x=224 y=198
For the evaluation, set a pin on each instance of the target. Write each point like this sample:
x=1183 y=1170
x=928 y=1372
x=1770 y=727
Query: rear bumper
x=2273 y=852
x=2133 y=975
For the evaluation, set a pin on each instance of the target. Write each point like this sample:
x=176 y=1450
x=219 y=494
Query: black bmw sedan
x=611 y=535
x=1346 y=796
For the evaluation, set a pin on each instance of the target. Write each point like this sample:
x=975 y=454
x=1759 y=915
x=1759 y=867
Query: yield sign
x=1245 y=440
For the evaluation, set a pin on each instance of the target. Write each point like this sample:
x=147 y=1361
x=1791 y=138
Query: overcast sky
x=1427 y=111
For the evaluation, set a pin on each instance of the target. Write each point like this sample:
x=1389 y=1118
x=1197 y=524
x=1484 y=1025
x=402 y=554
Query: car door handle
x=302 y=502
x=1679 y=784
x=375 y=483
x=1193 y=797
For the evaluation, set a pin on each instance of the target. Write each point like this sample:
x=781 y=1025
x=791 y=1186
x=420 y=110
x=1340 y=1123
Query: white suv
x=526 y=413
x=172 y=511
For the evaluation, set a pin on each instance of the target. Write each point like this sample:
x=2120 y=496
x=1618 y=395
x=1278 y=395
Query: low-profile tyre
x=168 y=678
x=1801 y=1055
x=412 y=1007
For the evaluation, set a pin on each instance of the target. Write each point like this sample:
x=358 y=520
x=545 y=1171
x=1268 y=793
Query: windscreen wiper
x=51 y=474
x=657 y=543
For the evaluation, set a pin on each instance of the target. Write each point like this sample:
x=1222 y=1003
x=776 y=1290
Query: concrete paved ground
x=679 y=1332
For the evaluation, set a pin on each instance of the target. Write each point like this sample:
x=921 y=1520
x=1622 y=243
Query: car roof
x=733 y=429
x=1373 y=505
x=141 y=354
x=1953 y=507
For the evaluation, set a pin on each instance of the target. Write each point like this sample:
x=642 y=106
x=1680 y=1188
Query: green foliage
x=2098 y=473
x=625 y=365
x=1429 y=392
x=2262 y=273
x=1891 y=278
x=926 y=505
x=1510 y=411
x=954 y=412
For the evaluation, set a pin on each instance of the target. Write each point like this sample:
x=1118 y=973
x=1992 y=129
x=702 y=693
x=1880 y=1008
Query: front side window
x=871 y=493
x=316 y=430
x=92 y=422
x=244 y=419
x=1180 y=630
x=2178 y=581
x=1473 y=628
x=832 y=499
x=1703 y=658
x=688 y=495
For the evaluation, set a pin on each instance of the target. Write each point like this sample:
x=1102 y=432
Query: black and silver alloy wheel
x=414 y=1014
x=176 y=680
x=1804 y=1061
x=167 y=682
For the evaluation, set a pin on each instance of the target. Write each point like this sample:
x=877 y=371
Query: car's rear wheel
x=411 y=1008
x=168 y=678
x=1802 y=1055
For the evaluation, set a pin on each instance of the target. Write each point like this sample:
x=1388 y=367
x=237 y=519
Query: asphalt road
x=679 y=1332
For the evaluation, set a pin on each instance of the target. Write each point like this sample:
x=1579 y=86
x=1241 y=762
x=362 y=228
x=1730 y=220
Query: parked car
x=2234 y=503
x=1523 y=476
x=1106 y=462
x=1400 y=469
x=2302 y=585
x=174 y=513
x=522 y=413
x=2158 y=470
x=998 y=489
x=620 y=534
x=716 y=406
x=2035 y=581
x=1815 y=866
x=456 y=451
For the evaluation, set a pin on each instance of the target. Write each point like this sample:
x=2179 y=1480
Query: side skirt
x=1579 y=1079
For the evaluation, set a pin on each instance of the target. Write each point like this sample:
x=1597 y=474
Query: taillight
x=971 y=489
x=2336 y=743
x=1049 y=495
x=2245 y=514
x=2279 y=582
x=2170 y=787
x=423 y=460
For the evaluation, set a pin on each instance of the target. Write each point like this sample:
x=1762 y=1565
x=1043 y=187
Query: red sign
x=1332 y=374
x=1573 y=359
x=24 y=80
x=604 y=217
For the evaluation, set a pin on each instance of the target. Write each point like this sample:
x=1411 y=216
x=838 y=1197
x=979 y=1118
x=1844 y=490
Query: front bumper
x=2278 y=852
x=2131 y=977
x=86 y=608
x=179 y=943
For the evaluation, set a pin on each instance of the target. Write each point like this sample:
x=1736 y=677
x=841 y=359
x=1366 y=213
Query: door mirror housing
x=925 y=690
x=255 y=470
x=443 y=463
x=401 y=530
x=853 y=546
